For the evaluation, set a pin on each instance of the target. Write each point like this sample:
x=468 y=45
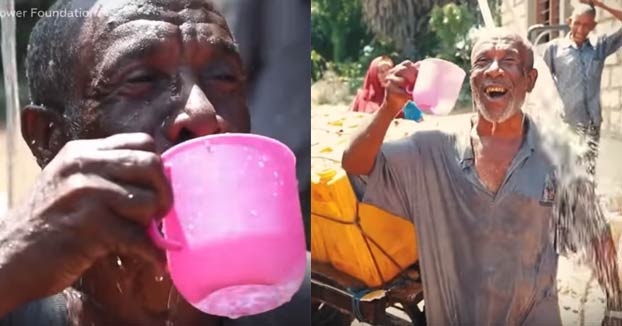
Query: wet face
x=170 y=70
x=581 y=26
x=500 y=77
x=383 y=72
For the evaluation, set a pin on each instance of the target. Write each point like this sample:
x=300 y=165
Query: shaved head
x=583 y=9
x=57 y=43
x=497 y=34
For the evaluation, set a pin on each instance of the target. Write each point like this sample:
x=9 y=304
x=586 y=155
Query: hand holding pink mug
x=234 y=236
x=437 y=87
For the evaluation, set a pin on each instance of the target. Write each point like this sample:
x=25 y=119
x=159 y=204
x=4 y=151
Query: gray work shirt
x=485 y=259
x=577 y=73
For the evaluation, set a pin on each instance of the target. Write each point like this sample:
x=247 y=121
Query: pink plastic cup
x=234 y=237
x=438 y=86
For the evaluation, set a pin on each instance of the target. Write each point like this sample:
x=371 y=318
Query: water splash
x=119 y=262
x=579 y=222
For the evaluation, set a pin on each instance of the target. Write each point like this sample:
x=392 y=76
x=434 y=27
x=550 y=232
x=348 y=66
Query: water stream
x=578 y=217
x=9 y=64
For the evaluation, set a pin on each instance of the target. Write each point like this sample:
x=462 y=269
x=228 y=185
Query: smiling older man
x=482 y=200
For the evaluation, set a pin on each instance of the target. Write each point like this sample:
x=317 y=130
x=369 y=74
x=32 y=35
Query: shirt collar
x=567 y=41
x=527 y=147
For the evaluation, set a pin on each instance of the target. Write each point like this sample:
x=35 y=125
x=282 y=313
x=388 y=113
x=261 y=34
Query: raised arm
x=614 y=12
x=359 y=157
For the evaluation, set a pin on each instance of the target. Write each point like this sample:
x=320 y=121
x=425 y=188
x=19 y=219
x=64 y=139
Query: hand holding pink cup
x=234 y=236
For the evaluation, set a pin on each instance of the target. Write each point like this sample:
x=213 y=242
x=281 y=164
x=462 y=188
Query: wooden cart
x=337 y=297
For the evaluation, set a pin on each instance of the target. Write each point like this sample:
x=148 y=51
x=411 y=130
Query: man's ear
x=569 y=21
x=43 y=130
x=532 y=76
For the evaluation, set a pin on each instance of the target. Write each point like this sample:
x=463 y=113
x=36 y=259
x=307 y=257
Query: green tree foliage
x=338 y=31
x=452 y=25
x=341 y=42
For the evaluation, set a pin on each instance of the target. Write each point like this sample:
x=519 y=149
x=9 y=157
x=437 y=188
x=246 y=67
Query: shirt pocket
x=594 y=68
x=526 y=221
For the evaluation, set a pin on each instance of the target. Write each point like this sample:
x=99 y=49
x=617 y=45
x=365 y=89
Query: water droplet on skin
x=253 y=213
x=32 y=142
x=119 y=288
x=120 y=263
x=51 y=125
x=245 y=149
x=264 y=158
x=281 y=183
x=130 y=196
x=261 y=164
x=208 y=147
x=249 y=158
x=159 y=278
x=276 y=174
x=275 y=194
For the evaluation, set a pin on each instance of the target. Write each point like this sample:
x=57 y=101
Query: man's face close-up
x=170 y=70
x=500 y=77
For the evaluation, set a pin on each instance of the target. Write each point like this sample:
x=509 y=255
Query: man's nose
x=494 y=70
x=197 y=118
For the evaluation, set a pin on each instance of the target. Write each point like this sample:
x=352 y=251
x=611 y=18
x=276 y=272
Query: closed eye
x=139 y=83
x=141 y=77
x=222 y=76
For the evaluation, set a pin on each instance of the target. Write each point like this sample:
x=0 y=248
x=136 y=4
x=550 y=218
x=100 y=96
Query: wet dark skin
x=146 y=83
x=499 y=63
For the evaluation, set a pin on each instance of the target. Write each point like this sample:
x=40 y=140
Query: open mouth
x=495 y=91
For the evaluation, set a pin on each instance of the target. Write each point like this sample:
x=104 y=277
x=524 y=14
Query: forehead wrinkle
x=208 y=33
x=504 y=43
x=173 y=13
x=125 y=43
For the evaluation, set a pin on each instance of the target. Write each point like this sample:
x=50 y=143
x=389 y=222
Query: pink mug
x=438 y=86
x=234 y=238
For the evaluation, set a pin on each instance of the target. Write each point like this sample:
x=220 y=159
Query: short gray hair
x=582 y=9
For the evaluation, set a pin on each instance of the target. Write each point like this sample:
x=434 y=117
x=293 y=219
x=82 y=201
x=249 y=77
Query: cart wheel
x=325 y=315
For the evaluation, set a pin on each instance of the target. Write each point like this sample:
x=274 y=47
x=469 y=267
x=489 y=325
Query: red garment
x=369 y=98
